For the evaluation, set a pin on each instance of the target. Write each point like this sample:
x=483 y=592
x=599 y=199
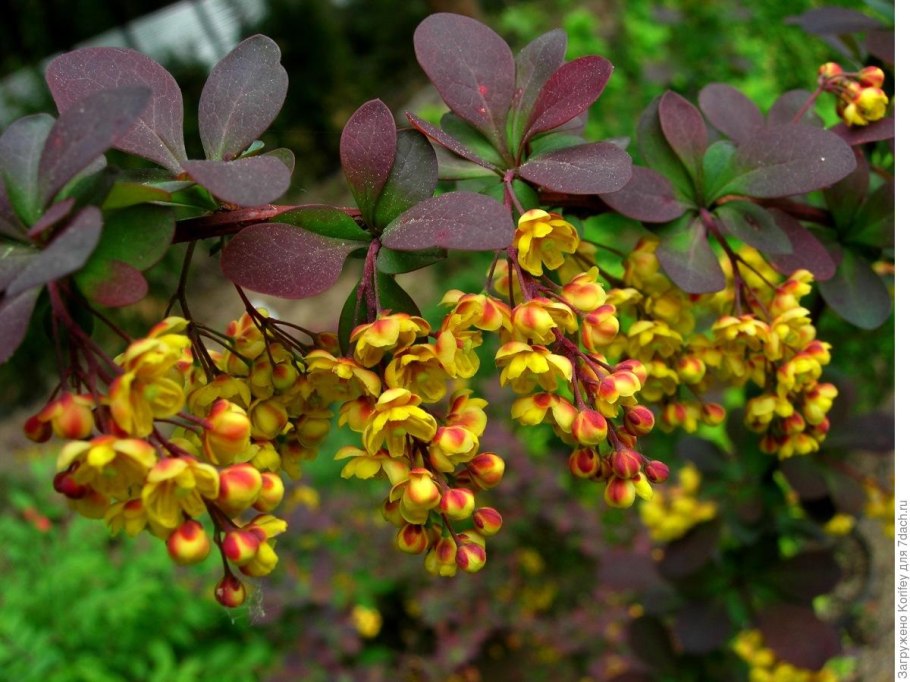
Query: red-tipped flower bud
x=37 y=430
x=639 y=420
x=188 y=544
x=457 y=503
x=486 y=470
x=584 y=463
x=66 y=485
x=589 y=427
x=713 y=414
x=470 y=557
x=830 y=70
x=656 y=471
x=239 y=486
x=230 y=592
x=872 y=76
x=412 y=539
x=271 y=493
x=625 y=463
x=487 y=521
x=240 y=546
x=620 y=492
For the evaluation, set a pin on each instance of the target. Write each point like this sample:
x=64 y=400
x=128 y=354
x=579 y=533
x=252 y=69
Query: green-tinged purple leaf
x=594 y=168
x=457 y=220
x=242 y=96
x=471 y=137
x=20 y=152
x=717 y=169
x=133 y=240
x=805 y=576
x=13 y=259
x=284 y=260
x=396 y=262
x=730 y=111
x=847 y=493
x=857 y=293
x=158 y=132
x=834 y=21
x=846 y=196
x=702 y=627
x=790 y=159
x=368 y=153
x=452 y=167
x=651 y=643
x=859 y=135
x=51 y=217
x=325 y=220
x=880 y=44
x=85 y=131
x=684 y=129
x=393 y=297
x=471 y=67
x=553 y=141
x=869 y=432
x=690 y=553
x=413 y=177
x=784 y=110
x=285 y=155
x=706 y=455
x=533 y=67
x=657 y=152
x=354 y=313
x=686 y=256
x=796 y=635
x=808 y=252
x=10 y=226
x=66 y=254
x=873 y=225
x=246 y=182
x=648 y=196
x=753 y=225
x=568 y=92
x=805 y=475
x=124 y=194
x=445 y=140
x=15 y=313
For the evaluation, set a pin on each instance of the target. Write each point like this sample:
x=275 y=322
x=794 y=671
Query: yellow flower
x=115 y=467
x=525 y=366
x=339 y=378
x=175 y=485
x=388 y=333
x=543 y=239
x=419 y=370
x=395 y=417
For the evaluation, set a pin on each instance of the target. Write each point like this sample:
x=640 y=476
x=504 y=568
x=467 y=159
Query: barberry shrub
x=747 y=224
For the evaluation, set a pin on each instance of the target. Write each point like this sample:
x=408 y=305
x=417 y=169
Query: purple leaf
x=686 y=256
x=594 y=168
x=857 y=293
x=690 y=553
x=755 y=226
x=569 y=92
x=84 y=131
x=158 y=132
x=246 y=182
x=874 y=132
x=808 y=252
x=413 y=177
x=784 y=110
x=846 y=196
x=20 y=152
x=797 y=636
x=834 y=21
x=880 y=44
x=657 y=152
x=684 y=129
x=13 y=260
x=471 y=67
x=805 y=475
x=847 y=493
x=122 y=285
x=325 y=220
x=15 y=313
x=869 y=432
x=283 y=260
x=648 y=196
x=805 y=576
x=650 y=642
x=456 y=220
x=730 y=111
x=874 y=224
x=702 y=627
x=51 y=217
x=242 y=96
x=789 y=159
x=533 y=67
x=368 y=153
x=9 y=222
x=443 y=139
x=66 y=254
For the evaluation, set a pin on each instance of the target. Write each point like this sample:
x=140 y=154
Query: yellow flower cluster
x=671 y=513
x=860 y=98
x=880 y=505
x=764 y=666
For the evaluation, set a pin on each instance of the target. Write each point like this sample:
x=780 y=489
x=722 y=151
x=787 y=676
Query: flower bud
x=830 y=69
x=37 y=430
x=239 y=486
x=444 y=557
x=871 y=76
x=421 y=491
x=228 y=434
x=642 y=487
x=240 y=546
x=271 y=493
x=412 y=539
x=284 y=375
x=66 y=485
x=625 y=463
x=267 y=418
x=619 y=492
x=487 y=521
x=457 y=503
x=713 y=414
x=690 y=369
x=600 y=327
x=656 y=471
x=188 y=544
x=584 y=462
x=638 y=419
x=263 y=563
x=486 y=470
x=392 y=513
x=470 y=557
x=589 y=427
x=230 y=592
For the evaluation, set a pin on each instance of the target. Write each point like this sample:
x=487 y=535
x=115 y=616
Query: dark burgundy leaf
x=686 y=256
x=471 y=137
x=51 y=217
x=452 y=167
x=66 y=254
x=730 y=111
x=569 y=92
x=445 y=140
x=797 y=636
x=242 y=96
x=594 y=168
x=834 y=21
x=691 y=552
x=856 y=293
x=845 y=197
x=808 y=252
x=847 y=493
x=755 y=226
x=873 y=225
x=13 y=260
x=9 y=222
x=533 y=67
x=648 y=196
x=471 y=66
x=789 y=104
x=368 y=153
x=805 y=576
x=20 y=152
x=684 y=129
x=805 y=475
x=325 y=220
x=651 y=643
x=158 y=132
x=85 y=131
x=657 y=152
x=413 y=178
x=702 y=627
x=790 y=159
x=706 y=455
x=457 y=220
x=874 y=132
x=122 y=285
x=15 y=313
x=246 y=182
x=283 y=260
x=870 y=432
x=880 y=44
x=395 y=262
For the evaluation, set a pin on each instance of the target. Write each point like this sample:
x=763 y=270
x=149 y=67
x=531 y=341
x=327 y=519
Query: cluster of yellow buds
x=672 y=512
x=764 y=666
x=880 y=505
x=860 y=98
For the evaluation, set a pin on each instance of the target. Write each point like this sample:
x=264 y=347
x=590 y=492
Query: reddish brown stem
x=229 y=222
